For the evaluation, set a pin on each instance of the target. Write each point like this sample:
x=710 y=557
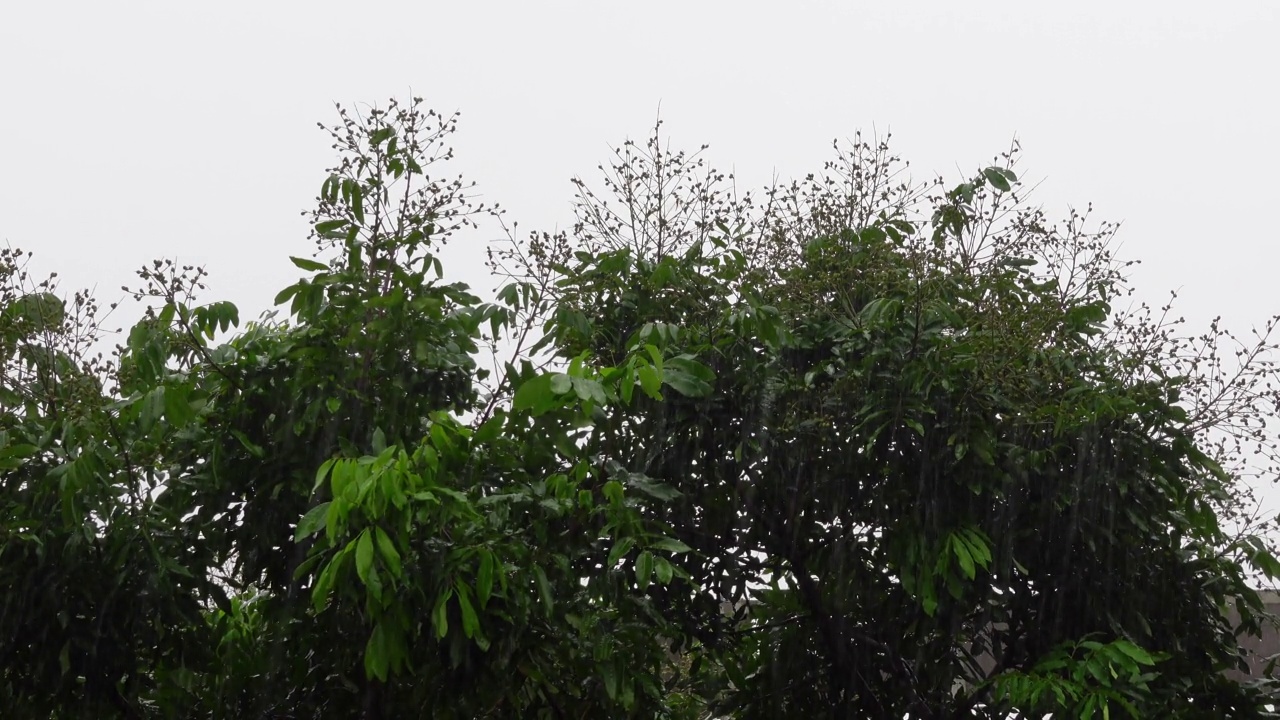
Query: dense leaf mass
x=854 y=447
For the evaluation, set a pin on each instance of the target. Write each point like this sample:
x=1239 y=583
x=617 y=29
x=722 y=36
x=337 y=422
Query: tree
x=866 y=449
x=937 y=471
x=172 y=550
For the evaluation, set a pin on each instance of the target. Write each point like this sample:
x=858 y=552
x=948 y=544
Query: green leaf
x=152 y=407
x=354 y=196
x=306 y=566
x=12 y=457
x=329 y=229
x=653 y=488
x=283 y=296
x=430 y=457
x=544 y=589
x=613 y=491
x=670 y=545
x=222 y=315
x=470 y=623
x=322 y=473
x=177 y=406
x=655 y=355
x=1140 y=656
x=1213 y=467
x=610 y=677
x=43 y=311
x=996 y=177
x=961 y=551
x=929 y=602
x=387 y=551
x=484 y=578
x=440 y=614
x=167 y=313
x=1263 y=560
x=650 y=381
x=324 y=584
x=644 y=569
x=376 y=658
x=881 y=310
x=662 y=570
x=978 y=545
x=684 y=383
x=627 y=387
x=364 y=555
x=561 y=383
x=588 y=389
x=329 y=190
x=306 y=264
x=619 y=550
x=534 y=395
x=510 y=295
x=374 y=586
x=253 y=448
x=311 y=523
x=490 y=430
x=689 y=365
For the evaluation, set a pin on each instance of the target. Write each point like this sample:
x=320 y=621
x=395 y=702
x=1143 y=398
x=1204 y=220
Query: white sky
x=132 y=130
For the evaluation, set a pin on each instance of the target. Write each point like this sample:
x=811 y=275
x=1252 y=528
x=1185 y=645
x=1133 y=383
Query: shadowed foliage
x=854 y=447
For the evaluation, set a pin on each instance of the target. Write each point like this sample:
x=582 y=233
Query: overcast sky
x=131 y=130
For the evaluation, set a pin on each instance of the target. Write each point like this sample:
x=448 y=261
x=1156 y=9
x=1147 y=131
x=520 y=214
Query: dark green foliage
x=929 y=478
x=863 y=450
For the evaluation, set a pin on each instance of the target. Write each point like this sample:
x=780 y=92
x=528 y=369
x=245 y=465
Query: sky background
x=136 y=130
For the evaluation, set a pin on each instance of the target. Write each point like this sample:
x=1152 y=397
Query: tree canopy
x=857 y=446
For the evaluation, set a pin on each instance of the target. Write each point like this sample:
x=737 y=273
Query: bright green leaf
x=364 y=555
x=311 y=523
x=387 y=551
